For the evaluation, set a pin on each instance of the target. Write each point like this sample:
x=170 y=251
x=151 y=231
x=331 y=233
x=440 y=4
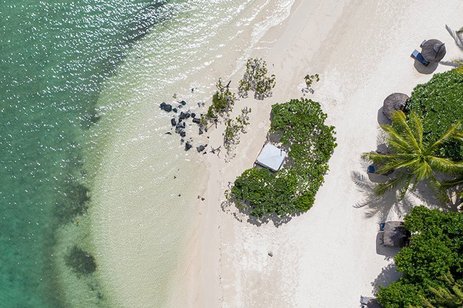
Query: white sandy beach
x=326 y=257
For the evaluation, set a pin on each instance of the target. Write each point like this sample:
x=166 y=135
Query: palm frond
x=395 y=140
x=417 y=128
x=449 y=134
x=409 y=180
x=399 y=119
x=452 y=183
x=445 y=165
x=398 y=164
x=458 y=135
x=422 y=171
x=382 y=188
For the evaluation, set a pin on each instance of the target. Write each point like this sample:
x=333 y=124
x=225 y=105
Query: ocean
x=86 y=164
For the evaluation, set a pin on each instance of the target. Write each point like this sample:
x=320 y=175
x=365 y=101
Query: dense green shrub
x=440 y=104
x=431 y=264
x=399 y=295
x=301 y=125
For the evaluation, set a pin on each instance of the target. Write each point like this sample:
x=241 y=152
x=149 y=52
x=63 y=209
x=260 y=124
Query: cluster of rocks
x=179 y=122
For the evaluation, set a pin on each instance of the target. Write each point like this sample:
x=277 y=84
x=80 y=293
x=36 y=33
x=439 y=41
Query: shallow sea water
x=84 y=156
x=54 y=55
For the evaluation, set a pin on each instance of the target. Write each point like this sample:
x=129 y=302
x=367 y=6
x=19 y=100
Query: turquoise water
x=54 y=56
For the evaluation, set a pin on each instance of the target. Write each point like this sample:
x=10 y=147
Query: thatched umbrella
x=433 y=50
x=395 y=234
x=394 y=102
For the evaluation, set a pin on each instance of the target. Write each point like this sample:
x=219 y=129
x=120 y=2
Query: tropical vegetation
x=300 y=123
x=439 y=104
x=432 y=264
x=255 y=79
x=222 y=102
x=413 y=158
x=233 y=127
x=309 y=80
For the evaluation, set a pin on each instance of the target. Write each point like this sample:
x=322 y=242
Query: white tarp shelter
x=271 y=157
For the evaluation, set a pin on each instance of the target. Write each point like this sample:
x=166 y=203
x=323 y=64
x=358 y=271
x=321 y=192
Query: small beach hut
x=395 y=234
x=394 y=102
x=433 y=50
x=271 y=157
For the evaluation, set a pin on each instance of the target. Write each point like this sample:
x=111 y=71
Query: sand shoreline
x=326 y=257
x=144 y=198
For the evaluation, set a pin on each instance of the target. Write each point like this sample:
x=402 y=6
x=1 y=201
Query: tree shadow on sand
x=375 y=205
x=388 y=275
x=243 y=214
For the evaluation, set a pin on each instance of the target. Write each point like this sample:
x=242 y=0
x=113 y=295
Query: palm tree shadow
x=375 y=205
x=428 y=196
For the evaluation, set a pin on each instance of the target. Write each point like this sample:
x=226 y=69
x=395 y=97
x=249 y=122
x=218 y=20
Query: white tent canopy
x=271 y=157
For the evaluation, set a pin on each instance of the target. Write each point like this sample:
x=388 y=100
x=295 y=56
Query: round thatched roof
x=394 y=102
x=433 y=50
x=395 y=234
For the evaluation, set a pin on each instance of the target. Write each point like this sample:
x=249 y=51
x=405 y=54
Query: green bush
x=222 y=102
x=431 y=263
x=399 y=295
x=255 y=79
x=440 y=104
x=301 y=125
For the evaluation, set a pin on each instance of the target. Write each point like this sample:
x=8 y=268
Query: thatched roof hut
x=394 y=102
x=433 y=50
x=395 y=234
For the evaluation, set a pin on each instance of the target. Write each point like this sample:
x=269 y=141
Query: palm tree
x=449 y=294
x=413 y=159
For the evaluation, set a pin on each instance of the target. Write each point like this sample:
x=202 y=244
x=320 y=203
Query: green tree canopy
x=439 y=103
x=413 y=158
x=432 y=265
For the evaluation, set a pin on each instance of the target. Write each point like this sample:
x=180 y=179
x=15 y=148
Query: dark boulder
x=174 y=110
x=201 y=148
x=200 y=131
x=188 y=146
x=193 y=115
x=182 y=133
x=196 y=120
x=183 y=103
x=183 y=115
x=173 y=122
x=166 y=107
